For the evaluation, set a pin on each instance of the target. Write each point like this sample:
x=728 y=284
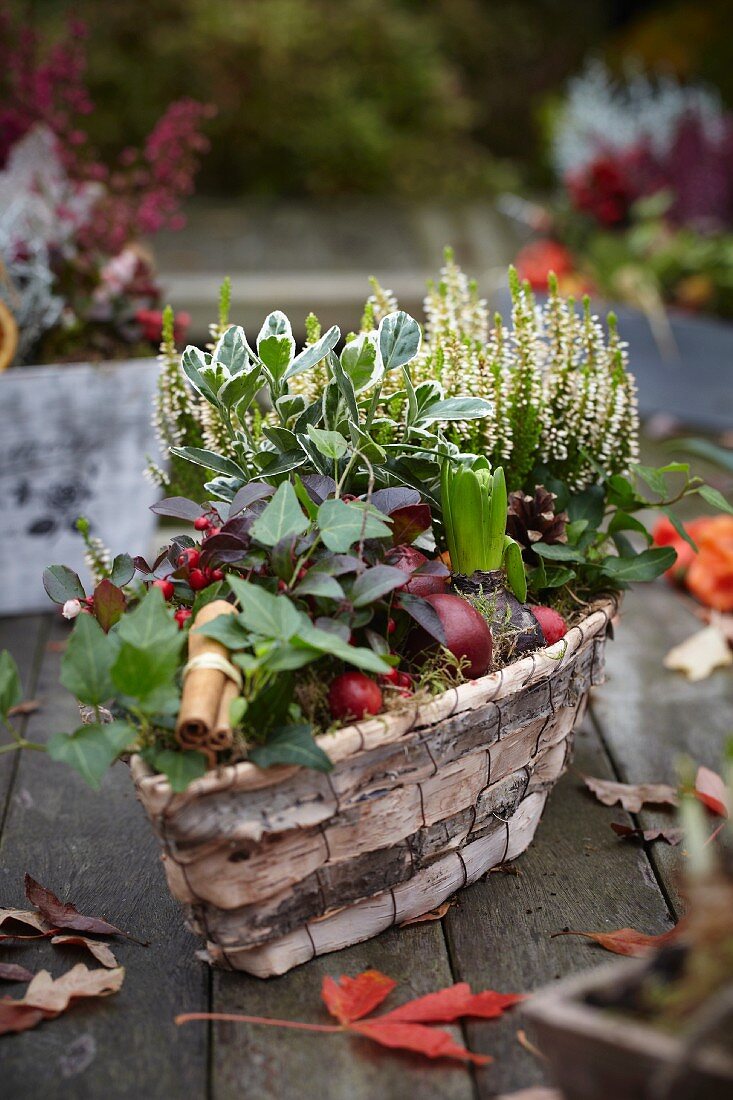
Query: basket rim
x=349 y=741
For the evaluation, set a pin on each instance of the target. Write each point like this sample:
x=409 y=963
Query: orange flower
x=710 y=576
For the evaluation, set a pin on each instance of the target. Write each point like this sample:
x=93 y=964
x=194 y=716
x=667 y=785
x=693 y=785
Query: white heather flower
x=71 y=609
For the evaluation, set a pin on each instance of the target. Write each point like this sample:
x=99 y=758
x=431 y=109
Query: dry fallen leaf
x=406 y=1027
x=700 y=654
x=47 y=997
x=101 y=951
x=434 y=914
x=672 y=836
x=65 y=915
x=30 y=706
x=626 y=941
x=12 y=972
x=632 y=796
x=27 y=918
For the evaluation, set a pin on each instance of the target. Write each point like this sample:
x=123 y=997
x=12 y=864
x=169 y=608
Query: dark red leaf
x=109 y=604
x=430 y=1041
x=62 y=915
x=453 y=1003
x=712 y=792
x=627 y=941
x=409 y=522
x=12 y=972
x=351 y=998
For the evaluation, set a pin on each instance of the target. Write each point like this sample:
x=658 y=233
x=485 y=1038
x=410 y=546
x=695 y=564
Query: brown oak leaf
x=101 y=951
x=27 y=918
x=47 y=997
x=672 y=836
x=632 y=796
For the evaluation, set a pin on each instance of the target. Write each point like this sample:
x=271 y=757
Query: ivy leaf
x=228 y=630
x=151 y=626
x=291 y=745
x=642 y=567
x=11 y=691
x=343 y=524
x=399 y=339
x=62 y=584
x=374 y=583
x=265 y=614
x=282 y=517
x=712 y=496
x=147 y=677
x=87 y=662
x=92 y=749
x=179 y=768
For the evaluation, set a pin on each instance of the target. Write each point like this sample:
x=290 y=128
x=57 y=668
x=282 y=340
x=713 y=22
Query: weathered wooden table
x=97 y=850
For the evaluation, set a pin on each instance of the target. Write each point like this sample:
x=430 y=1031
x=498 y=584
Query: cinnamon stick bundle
x=208 y=689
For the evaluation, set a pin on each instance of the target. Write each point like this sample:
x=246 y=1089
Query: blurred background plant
x=74 y=271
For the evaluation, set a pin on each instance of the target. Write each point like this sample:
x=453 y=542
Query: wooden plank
x=272 y=1064
x=649 y=715
x=574 y=875
x=25 y=639
x=97 y=849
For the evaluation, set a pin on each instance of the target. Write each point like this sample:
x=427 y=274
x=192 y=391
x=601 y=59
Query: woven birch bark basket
x=278 y=866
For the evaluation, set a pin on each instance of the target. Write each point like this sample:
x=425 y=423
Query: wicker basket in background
x=278 y=866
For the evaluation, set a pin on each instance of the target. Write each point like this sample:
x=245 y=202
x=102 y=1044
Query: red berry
x=353 y=695
x=405 y=693
x=211 y=532
x=348 y=497
x=197 y=579
x=189 y=558
x=202 y=523
x=182 y=616
x=553 y=625
x=217 y=574
x=391 y=677
x=404 y=679
x=281 y=586
x=391 y=626
x=166 y=587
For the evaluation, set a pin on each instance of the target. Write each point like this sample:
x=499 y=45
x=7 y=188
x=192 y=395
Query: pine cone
x=533 y=519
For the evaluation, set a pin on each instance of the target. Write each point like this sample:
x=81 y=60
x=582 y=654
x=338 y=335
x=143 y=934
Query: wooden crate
x=278 y=866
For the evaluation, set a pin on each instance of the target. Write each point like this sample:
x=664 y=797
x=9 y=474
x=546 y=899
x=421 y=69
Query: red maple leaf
x=351 y=998
x=405 y=1028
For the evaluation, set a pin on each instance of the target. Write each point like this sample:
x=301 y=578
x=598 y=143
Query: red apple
x=467 y=633
x=553 y=625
